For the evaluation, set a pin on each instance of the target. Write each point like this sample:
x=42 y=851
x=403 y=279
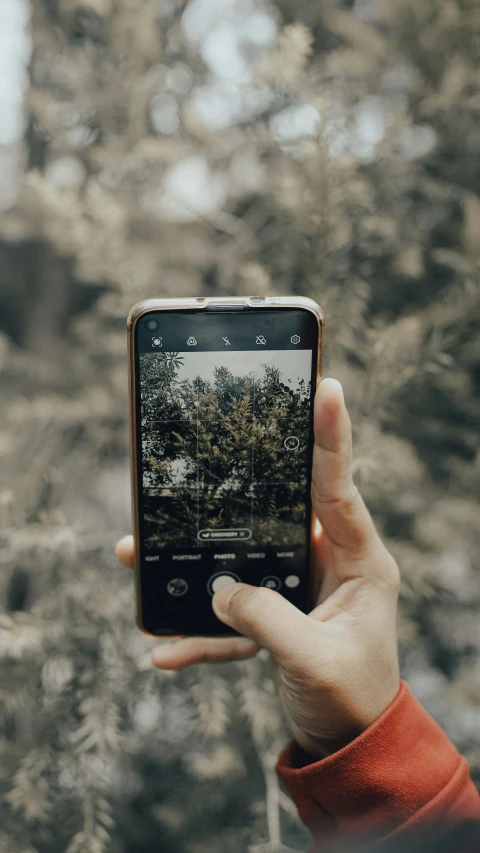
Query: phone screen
x=224 y=449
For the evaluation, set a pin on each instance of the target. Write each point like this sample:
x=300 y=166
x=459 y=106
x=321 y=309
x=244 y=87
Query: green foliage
x=214 y=453
x=375 y=212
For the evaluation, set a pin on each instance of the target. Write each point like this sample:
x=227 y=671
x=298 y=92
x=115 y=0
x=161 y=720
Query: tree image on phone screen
x=225 y=447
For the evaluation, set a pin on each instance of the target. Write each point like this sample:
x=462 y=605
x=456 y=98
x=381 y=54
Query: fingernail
x=221 y=600
x=333 y=383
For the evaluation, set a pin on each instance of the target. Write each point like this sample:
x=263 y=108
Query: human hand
x=337 y=667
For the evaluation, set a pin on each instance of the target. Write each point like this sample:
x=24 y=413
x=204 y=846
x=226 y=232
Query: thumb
x=336 y=501
x=266 y=617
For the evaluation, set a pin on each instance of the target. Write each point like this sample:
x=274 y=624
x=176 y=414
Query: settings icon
x=295 y=339
x=157 y=342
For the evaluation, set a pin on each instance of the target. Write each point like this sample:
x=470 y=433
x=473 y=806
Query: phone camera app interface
x=225 y=433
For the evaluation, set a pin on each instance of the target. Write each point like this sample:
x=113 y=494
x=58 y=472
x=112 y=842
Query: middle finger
x=192 y=650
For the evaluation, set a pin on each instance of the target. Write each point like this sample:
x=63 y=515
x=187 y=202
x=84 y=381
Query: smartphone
x=221 y=413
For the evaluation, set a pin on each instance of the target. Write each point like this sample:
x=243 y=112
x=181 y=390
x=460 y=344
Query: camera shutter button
x=220 y=580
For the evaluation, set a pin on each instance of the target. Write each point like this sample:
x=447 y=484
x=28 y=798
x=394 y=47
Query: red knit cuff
x=380 y=780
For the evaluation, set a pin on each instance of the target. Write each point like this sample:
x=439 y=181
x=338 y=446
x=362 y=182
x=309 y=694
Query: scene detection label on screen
x=237 y=534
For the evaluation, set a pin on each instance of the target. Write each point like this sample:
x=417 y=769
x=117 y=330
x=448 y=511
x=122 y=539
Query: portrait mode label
x=193 y=557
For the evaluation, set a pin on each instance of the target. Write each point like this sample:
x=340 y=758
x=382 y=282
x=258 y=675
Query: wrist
x=344 y=729
x=311 y=747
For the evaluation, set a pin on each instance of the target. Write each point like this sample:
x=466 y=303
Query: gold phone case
x=136 y=313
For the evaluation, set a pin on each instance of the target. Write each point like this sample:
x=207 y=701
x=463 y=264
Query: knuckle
x=251 y=608
x=347 y=501
x=393 y=573
x=317 y=494
x=389 y=573
x=352 y=494
x=352 y=504
x=238 y=652
x=258 y=600
x=205 y=654
x=230 y=651
x=201 y=654
x=238 y=603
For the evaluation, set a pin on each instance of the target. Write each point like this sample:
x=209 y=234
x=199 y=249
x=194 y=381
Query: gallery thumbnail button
x=220 y=580
x=177 y=587
x=233 y=534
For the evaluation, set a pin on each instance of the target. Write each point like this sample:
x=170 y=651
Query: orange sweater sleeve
x=401 y=774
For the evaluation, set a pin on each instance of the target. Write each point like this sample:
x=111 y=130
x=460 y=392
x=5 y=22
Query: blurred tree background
x=161 y=147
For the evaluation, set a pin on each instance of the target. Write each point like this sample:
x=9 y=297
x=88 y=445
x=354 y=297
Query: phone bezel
x=240 y=304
